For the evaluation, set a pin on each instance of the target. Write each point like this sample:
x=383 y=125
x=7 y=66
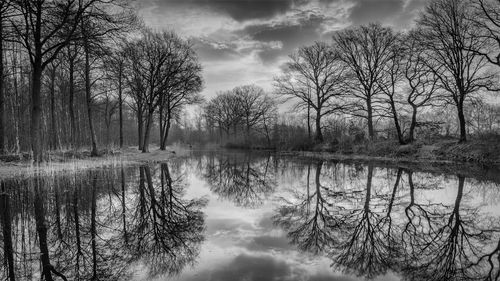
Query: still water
x=238 y=216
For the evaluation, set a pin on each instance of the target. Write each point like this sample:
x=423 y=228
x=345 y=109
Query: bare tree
x=488 y=20
x=255 y=105
x=390 y=82
x=183 y=85
x=45 y=28
x=365 y=50
x=420 y=80
x=452 y=44
x=315 y=77
x=154 y=60
x=223 y=112
x=5 y=13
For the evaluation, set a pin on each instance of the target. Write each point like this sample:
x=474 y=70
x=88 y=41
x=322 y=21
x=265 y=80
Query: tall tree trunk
x=161 y=122
x=15 y=107
x=166 y=131
x=2 y=91
x=413 y=124
x=461 y=120
x=309 y=121
x=147 y=132
x=7 y=233
x=319 y=135
x=71 y=103
x=53 y=127
x=140 y=129
x=369 y=116
x=396 y=122
x=120 y=103
x=88 y=96
x=36 y=110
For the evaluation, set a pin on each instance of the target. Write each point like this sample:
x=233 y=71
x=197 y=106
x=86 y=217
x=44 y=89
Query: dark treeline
x=88 y=74
x=371 y=82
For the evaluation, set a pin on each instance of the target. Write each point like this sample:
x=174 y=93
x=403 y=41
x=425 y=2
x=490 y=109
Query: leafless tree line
x=86 y=63
x=449 y=57
x=374 y=74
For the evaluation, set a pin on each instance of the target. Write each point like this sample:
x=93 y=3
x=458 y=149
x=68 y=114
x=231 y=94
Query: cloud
x=262 y=268
x=239 y=10
x=366 y=11
x=246 y=41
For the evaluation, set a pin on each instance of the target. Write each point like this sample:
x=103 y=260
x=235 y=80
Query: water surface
x=240 y=216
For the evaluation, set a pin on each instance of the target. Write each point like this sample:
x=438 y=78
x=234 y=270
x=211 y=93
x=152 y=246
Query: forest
x=90 y=75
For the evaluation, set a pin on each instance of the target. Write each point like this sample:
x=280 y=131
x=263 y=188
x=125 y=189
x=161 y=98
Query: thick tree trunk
x=309 y=121
x=461 y=120
x=369 y=109
x=88 y=96
x=140 y=129
x=413 y=124
x=36 y=111
x=15 y=107
x=164 y=137
x=396 y=122
x=147 y=132
x=319 y=135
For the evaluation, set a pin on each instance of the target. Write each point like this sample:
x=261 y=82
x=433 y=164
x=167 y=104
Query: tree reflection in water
x=369 y=235
x=242 y=179
x=84 y=226
x=368 y=221
x=166 y=230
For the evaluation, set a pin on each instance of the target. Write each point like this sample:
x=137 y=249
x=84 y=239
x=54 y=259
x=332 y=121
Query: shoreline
x=60 y=164
x=482 y=171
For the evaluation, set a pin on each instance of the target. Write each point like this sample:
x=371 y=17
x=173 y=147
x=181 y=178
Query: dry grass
x=61 y=162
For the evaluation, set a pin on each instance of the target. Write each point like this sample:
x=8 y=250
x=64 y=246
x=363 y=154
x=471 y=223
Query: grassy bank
x=68 y=161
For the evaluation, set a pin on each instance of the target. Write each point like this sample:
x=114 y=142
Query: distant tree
x=255 y=105
x=223 y=112
x=366 y=50
x=452 y=45
x=314 y=77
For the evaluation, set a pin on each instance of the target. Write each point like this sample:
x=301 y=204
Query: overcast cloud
x=246 y=41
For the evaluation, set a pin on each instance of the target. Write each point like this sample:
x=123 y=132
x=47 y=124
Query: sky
x=242 y=42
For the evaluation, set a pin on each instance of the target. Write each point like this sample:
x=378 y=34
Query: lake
x=250 y=216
